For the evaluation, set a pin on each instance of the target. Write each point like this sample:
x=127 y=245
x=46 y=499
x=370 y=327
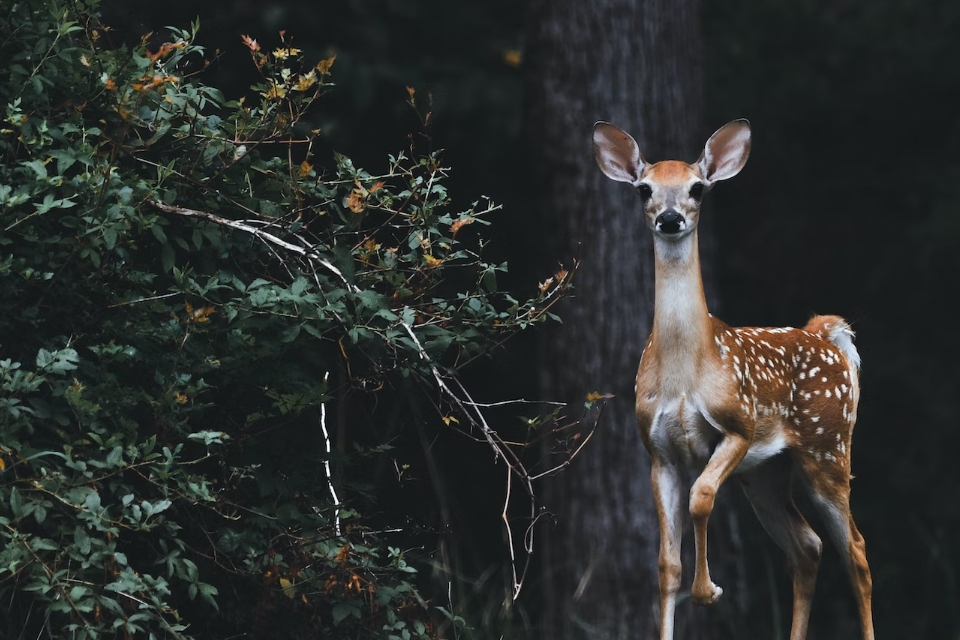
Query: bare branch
x=259 y=233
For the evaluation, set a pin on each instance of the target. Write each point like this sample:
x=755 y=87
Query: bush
x=187 y=296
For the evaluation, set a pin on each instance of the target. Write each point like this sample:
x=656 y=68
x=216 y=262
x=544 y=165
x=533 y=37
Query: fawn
x=774 y=405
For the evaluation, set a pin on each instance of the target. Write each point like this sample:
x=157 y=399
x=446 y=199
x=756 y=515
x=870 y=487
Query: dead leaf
x=457 y=224
x=305 y=169
x=545 y=285
x=324 y=66
x=197 y=315
x=251 y=43
x=165 y=49
x=356 y=201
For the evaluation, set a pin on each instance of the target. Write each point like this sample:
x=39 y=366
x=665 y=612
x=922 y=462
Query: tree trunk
x=638 y=65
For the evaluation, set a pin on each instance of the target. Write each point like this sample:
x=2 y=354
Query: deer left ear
x=726 y=151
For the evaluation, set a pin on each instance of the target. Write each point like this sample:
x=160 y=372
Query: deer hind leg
x=830 y=492
x=768 y=488
x=724 y=460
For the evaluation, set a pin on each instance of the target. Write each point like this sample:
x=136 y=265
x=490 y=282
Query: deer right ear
x=618 y=154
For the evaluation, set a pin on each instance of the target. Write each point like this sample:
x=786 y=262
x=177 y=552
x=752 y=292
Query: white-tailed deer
x=775 y=406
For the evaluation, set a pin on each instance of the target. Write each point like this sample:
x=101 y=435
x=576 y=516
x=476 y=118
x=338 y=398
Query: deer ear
x=618 y=155
x=726 y=151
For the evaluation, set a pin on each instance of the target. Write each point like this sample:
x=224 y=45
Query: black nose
x=669 y=222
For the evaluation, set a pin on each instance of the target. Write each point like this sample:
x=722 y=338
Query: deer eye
x=645 y=192
x=696 y=191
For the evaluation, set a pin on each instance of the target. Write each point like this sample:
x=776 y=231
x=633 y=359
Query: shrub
x=187 y=296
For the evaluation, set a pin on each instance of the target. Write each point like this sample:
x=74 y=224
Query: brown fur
x=776 y=406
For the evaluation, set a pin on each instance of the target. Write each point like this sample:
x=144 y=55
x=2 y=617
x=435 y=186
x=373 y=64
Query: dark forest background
x=846 y=206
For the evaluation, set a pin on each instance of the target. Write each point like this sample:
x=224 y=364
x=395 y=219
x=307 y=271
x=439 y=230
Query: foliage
x=187 y=296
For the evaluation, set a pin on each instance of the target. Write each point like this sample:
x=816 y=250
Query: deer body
x=775 y=406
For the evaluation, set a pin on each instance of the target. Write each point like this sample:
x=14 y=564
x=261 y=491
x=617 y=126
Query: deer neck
x=682 y=332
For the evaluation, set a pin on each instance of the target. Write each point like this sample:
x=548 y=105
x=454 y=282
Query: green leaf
x=168 y=256
x=16 y=505
x=342 y=610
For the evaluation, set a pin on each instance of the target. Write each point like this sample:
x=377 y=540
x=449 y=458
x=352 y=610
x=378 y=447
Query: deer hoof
x=706 y=596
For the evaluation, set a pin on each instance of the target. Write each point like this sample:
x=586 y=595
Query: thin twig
x=139 y=300
x=470 y=410
x=326 y=462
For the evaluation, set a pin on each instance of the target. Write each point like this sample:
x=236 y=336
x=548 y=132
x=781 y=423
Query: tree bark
x=638 y=65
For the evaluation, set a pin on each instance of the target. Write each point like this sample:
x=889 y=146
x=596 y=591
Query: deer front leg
x=665 y=479
x=724 y=460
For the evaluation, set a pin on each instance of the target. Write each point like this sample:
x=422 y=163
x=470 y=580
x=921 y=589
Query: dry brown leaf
x=457 y=224
x=356 y=202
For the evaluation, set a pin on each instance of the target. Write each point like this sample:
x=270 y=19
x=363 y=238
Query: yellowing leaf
x=430 y=260
x=305 y=169
x=275 y=91
x=448 y=419
x=288 y=589
x=594 y=396
x=324 y=66
x=512 y=57
x=203 y=315
x=356 y=202
x=3 y=465
x=197 y=315
x=306 y=81
x=459 y=223
x=285 y=52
